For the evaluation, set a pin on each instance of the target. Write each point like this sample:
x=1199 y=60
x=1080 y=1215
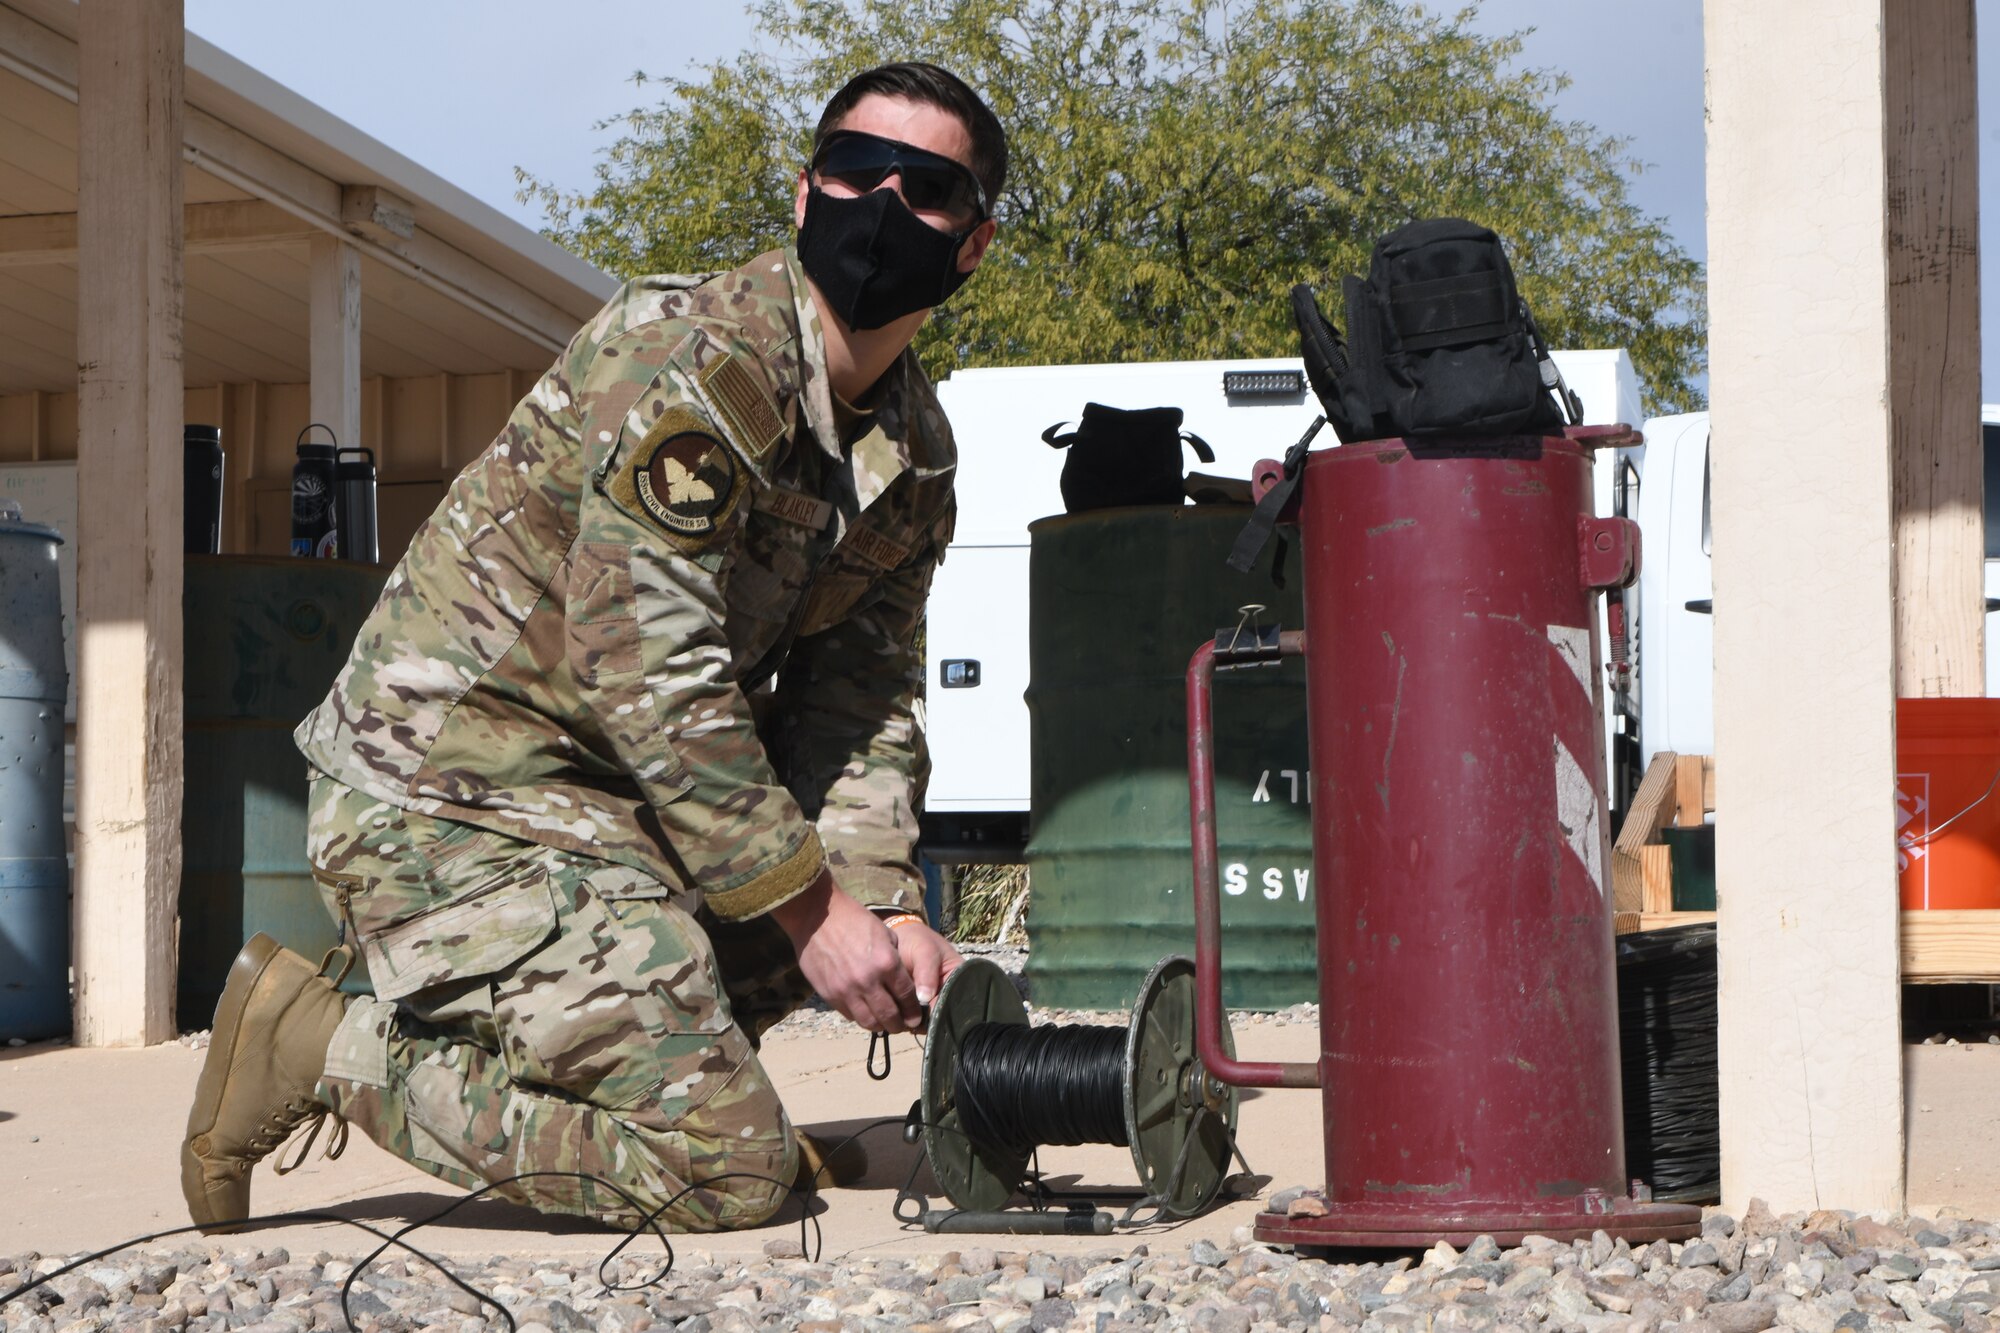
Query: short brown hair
x=916 y=81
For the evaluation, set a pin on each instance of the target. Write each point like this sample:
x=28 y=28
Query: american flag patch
x=745 y=409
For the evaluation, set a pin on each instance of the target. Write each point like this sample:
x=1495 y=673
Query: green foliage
x=1177 y=165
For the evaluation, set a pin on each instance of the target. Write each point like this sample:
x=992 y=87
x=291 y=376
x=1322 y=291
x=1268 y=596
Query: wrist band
x=898 y=918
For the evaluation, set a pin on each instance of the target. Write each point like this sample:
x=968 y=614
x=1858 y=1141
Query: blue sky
x=473 y=88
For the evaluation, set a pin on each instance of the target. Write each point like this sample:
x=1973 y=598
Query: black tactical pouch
x=1124 y=457
x=1439 y=342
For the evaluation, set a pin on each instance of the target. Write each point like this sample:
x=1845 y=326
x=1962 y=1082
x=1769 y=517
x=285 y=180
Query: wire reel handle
x=1208 y=1018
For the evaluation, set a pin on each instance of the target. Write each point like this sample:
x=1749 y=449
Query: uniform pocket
x=478 y=932
x=622 y=1011
x=602 y=617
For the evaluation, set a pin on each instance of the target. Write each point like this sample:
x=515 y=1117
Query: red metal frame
x=1208 y=1018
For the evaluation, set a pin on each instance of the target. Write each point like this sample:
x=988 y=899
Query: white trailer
x=976 y=670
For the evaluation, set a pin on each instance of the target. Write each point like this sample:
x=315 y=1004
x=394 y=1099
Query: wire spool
x=994 y=1089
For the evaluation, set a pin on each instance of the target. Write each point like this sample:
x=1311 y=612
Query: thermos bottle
x=315 y=486
x=355 y=498
x=201 y=490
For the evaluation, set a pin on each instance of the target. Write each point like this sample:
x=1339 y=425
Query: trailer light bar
x=1263 y=383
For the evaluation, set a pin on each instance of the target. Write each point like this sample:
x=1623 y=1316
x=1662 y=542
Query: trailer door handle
x=1702 y=606
x=1992 y=605
x=959 y=673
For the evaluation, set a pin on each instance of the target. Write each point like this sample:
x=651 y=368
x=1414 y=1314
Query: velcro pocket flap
x=480 y=933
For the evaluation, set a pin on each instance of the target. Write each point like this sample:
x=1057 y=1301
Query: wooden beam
x=1951 y=946
x=33 y=239
x=1688 y=790
x=1930 y=87
x=1633 y=923
x=1652 y=807
x=129 y=742
x=374 y=211
x=1656 y=864
x=336 y=338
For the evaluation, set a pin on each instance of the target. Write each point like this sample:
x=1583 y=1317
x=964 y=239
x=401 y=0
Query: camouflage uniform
x=647 y=669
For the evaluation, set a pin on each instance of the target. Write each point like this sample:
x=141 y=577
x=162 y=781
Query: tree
x=1176 y=166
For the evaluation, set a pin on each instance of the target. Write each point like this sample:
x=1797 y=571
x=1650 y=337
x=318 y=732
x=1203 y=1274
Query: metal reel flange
x=972 y=1176
x=1181 y=1122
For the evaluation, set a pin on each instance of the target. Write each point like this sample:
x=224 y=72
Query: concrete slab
x=89 y=1143
x=1952 y=1119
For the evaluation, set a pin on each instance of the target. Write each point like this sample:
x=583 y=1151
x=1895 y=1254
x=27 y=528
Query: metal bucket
x=1116 y=596
x=34 y=865
x=265 y=639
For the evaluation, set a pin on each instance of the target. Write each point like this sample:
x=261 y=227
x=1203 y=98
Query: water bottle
x=315 y=487
x=355 y=474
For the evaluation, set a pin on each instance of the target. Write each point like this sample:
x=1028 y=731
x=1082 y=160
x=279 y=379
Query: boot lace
x=295 y=1113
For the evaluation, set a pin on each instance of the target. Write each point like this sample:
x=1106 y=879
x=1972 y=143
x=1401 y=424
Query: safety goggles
x=931 y=182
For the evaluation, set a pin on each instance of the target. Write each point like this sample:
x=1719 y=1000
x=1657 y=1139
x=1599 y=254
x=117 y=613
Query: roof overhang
x=449 y=283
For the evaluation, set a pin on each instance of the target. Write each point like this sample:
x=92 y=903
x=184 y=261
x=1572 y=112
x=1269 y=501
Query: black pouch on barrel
x=1439 y=342
x=1124 y=457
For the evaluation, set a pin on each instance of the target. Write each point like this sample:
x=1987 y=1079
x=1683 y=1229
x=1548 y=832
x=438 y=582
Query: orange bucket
x=1948 y=803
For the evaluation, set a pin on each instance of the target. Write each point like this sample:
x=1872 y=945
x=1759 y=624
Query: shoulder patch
x=681 y=478
x=743 y=405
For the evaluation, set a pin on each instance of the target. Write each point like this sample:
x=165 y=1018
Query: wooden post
x=129 y=776
x=1809 y=1040
x=336 y=337
x=1930 y=86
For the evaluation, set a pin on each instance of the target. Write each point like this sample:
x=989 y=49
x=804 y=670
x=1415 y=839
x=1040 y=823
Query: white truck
x=976 y=670
x=1665 y=486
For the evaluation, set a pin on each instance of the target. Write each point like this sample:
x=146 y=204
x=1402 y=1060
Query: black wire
x=811 y=1234
x=1016 y=1087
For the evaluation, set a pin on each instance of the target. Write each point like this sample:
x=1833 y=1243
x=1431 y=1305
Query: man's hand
x=850 y=957
x=927 y=954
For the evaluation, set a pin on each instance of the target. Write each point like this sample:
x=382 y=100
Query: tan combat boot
x=265 y=1058
x=828 y=1162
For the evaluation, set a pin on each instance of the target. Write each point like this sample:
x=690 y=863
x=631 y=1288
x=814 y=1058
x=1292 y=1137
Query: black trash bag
x=1120 y=456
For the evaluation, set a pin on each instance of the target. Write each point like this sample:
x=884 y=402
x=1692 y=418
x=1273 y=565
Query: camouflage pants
x=541 y=1011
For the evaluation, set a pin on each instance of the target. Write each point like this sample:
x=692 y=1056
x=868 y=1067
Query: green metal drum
x=1119 y=599
x=264 y=639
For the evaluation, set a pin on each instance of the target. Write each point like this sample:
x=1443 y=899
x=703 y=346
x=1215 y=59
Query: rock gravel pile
x=1819 y=1273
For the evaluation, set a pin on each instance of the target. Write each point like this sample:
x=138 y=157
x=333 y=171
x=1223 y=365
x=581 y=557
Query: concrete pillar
x=1843 y=393
x=129 y=284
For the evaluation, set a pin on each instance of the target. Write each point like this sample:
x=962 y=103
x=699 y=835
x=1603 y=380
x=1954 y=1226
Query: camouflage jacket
x=667 y=618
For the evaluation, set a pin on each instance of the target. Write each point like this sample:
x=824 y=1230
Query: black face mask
x=873 y=259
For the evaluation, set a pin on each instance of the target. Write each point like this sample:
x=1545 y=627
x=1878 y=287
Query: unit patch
x=687 y=482
x=681 y=478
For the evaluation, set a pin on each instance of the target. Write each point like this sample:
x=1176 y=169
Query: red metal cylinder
x=1468 y=1019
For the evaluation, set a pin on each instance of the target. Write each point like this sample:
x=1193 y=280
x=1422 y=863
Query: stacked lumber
x=1678 y=790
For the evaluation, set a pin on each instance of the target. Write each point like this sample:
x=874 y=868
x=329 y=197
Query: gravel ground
x=1821 y=1273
